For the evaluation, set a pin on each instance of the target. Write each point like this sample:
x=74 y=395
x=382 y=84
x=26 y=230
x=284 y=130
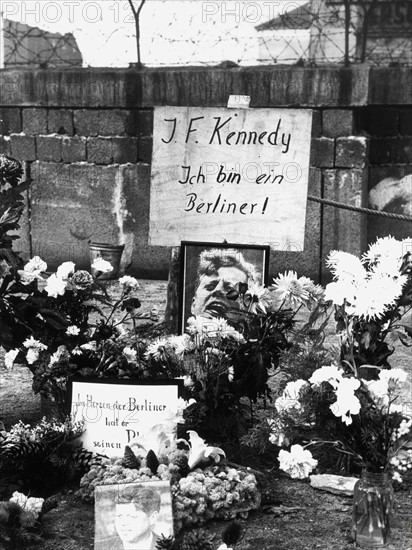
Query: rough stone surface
x=23 y=147
x=316 y=123
x=73 y=149
x=112 y=122
x=60 y=121
x=322 y=154
x=351 y=152
x=343 y=229
x=35 y=121
x=5 y=145
x=339 y=485
x=124 y=149
x=306 y=261
x=124 y=88
x=337 y=122
x=145 y=147
x=10 y=120
x=144 y=121
x=49 y=148
x=86 y=122
x=99 y=150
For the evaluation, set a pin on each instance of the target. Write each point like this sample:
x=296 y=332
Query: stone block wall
x=85 y=137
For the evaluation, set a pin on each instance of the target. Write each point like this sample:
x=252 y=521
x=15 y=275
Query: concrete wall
x=86 y=138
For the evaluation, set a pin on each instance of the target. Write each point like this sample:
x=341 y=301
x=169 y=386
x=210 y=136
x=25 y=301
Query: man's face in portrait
x=210 y=296
x=133 y=525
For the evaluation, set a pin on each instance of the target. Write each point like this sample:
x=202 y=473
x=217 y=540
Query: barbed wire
x=243 y=32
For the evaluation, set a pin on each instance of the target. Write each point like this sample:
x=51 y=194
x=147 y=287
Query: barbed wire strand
x=360 y=209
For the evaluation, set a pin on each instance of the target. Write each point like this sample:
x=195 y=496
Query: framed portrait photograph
x=132 y=516
x=210 y=270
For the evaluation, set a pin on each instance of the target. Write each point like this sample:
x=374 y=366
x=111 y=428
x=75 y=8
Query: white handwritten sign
x=116 y=415
x=239 y=175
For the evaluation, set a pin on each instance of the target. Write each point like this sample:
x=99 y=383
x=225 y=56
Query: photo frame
x=204 y=260
x=129 y=515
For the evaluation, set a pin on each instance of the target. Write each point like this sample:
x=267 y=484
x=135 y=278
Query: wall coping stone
x=280 y=86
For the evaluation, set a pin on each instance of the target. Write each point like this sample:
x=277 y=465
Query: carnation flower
x=277 y=436
x=73 y=330
x=32 y=355
x=57 y=355
x=346 y=403
x=55 y=286
x=103 y=266
x=65 y=270
x=213 y=328
x=187 y=380
x=290 y=396
x=129 y=283
x=9 y=358
x=81 y=279
x=298 y=463
x=31 y=505
x=35 y=265
x=331 y=374
x=397 y=477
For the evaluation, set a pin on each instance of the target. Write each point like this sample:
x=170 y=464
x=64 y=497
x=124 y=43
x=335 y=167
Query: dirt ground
x=317 y=520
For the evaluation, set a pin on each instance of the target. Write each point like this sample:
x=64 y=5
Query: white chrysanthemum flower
x=73 y=330
x=340 y=291
x=102 y=265
x=55 y=286
x=182 y=404
x=76 y=351
x=230 y=373
x=345 y=266
x=130 y=354
x=290 y=290
x=397 y=477
x=256 y=294
x=35 y=265
x=128 y=282
x=33 y=343
x=298 y=463
x=385 y=248
x=181 y=344
x=65 y=270
x=187 y=380
x=331 y=374
x=376 y=295
x=157 y=349
x=346 y=404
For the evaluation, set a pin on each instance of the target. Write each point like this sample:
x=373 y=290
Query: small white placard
x=238 y=102
x=117 y=415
